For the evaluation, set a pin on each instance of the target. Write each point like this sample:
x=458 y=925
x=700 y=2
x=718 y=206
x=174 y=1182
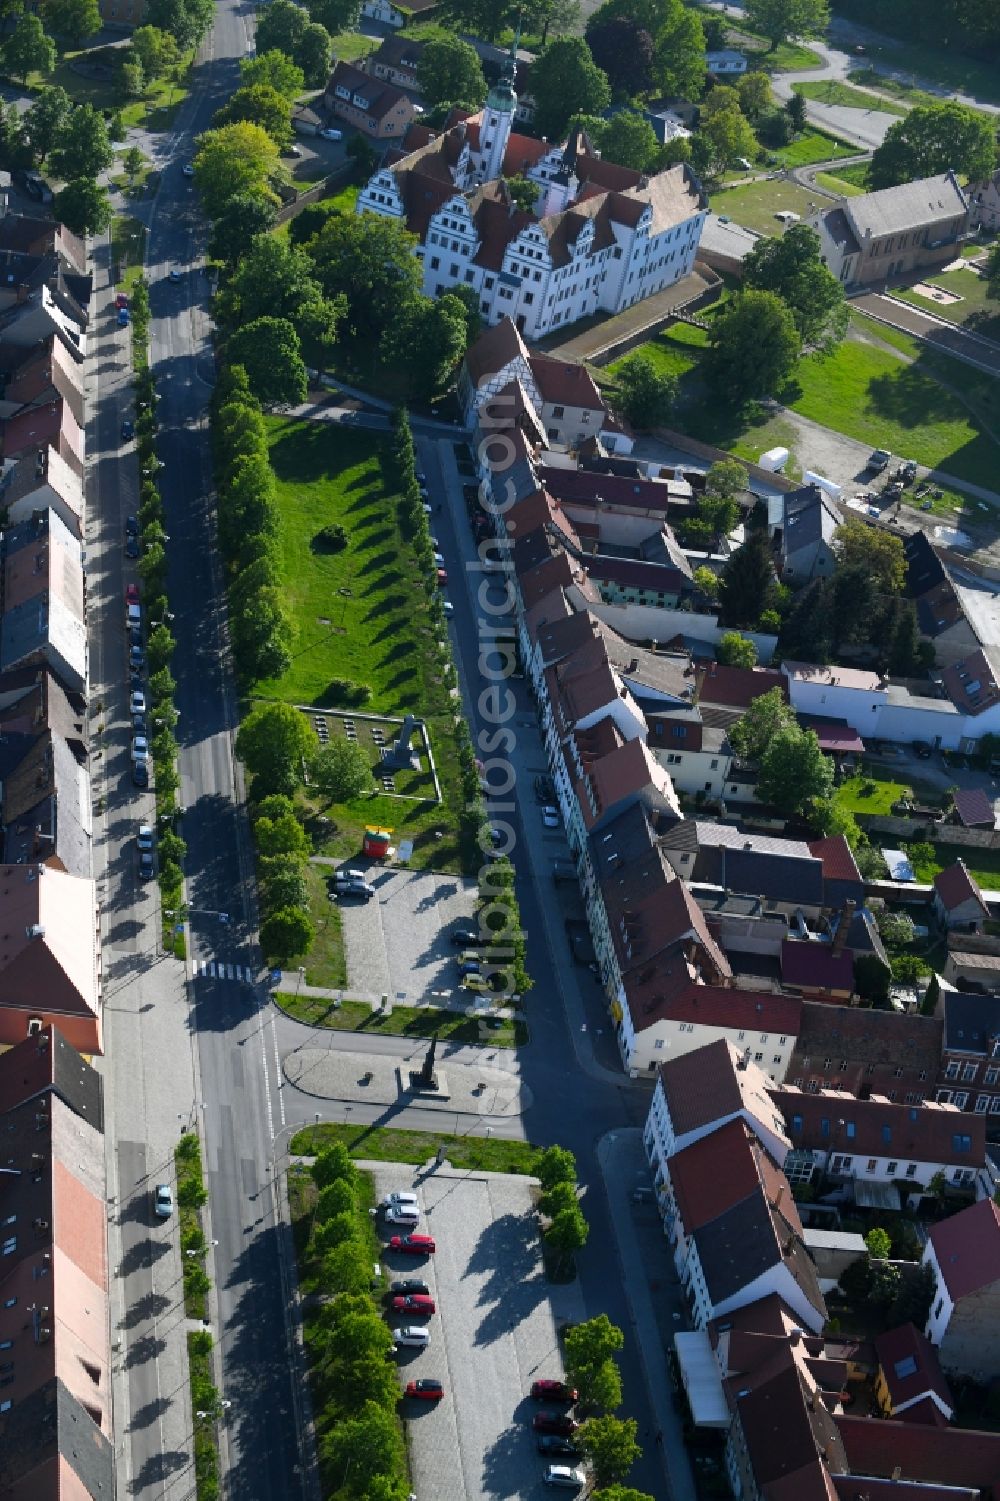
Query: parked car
x=136 y=660
x=442 y=577
x=140 y=774
x=462 y=936
x=550 y=817
x=121 y=300
x=474 y=982
x=544 y=790
x=144 y=838
x=355 y=888
x=563 y=1476
x=175 y=275
x=411 y=1334
x=131 y=547
x=878 y=460
x=397 y=1197
x=131 y=526
x=554 y=1422
x=128 y=429
x=145 y=866
x=123 y=317
x=403 y=1214
x=553 y=1391
x=406 y=1286
x=555 y=1443
x=786 y=216
x=188 y=169
x=468 y=967
x=140 y=748
x=137 y=701
x=425 y=1390
x=564 y=874
x=414 y=1303
x=742 y=165
x=132 y=595
x=330 y=134
x=413 y=1245
x=163 y=1201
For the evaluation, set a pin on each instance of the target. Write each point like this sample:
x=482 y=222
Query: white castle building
x=602 y=237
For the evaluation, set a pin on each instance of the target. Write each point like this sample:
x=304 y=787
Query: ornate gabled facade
x=602 y=237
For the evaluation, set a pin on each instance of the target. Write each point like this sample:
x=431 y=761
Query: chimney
x=840 y=937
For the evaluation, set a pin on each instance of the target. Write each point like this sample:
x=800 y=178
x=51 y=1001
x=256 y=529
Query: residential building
x=784 y=872
x=396 y=13
x=375 y=108
x=818 y=968
x=804 y=541
x=734 y=1229
x=917 y=226
x=904 y=1461
x=31 y=378
x=877 y=1141
x=395 y=61
x=42 y=481
x=44 y=614
x=963 y=1254
x=984 y=203
x=725 y=63
x=126 y=14
x=958 y=901
x=698 y=1092
x=970 y=1056
x=910 y=1380
x=938 y=601
x=973 y=962
x=50 y=957
x=860 y=1050
x=602 y=239
x=37 y=427
x=842 y=880
x=56 y=1435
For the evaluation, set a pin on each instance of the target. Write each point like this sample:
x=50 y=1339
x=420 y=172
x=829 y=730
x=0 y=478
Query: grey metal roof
x=809 y=517
x=970 y=1021
x=909 y=206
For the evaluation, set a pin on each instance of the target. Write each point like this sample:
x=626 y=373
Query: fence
x=922 y=828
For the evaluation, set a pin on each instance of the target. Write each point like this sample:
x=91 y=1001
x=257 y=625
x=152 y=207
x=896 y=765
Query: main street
x=218 y=1039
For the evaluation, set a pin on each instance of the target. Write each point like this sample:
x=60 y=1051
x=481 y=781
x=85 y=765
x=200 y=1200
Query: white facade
x=943 y=1305
x=726 y=63
x=662 y=1140
x=884 y=1169
x=645 y=1050
x=384 y=11
x=886 y=711
x=777 y=1279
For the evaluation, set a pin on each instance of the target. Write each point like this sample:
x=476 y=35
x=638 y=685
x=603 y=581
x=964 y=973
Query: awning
x=869 y=1195
x=702 y=1379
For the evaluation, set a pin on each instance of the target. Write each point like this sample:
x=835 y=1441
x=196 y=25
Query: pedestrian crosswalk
x=221 y=969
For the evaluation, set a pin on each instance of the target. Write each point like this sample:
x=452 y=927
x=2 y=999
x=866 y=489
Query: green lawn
x=957 y=71
x=128 y=243
x=788 y=57
x=813 y=146
x=853 y=797
x=838 y=185
x=384 y=1144
x=855 y=177
x=344 y=199
x=860 y=390
x=833 y=91
x=155 y=110
x=756 y=204
x=403 y=1021
x=983 y=865
x=977 y=311
x=348 y=46
x=361 y=615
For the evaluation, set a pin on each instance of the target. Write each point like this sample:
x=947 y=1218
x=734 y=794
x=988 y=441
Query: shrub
x=332 y=538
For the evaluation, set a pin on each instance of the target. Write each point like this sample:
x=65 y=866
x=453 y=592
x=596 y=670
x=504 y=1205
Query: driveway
x=494 y=1333
x=399 y=944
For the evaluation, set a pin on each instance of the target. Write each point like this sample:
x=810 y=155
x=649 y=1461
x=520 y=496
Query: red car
x=415 y=1303
x=413 y=1245
x=554 y=1422
x=442 y=577
x=131 y=594
x=553 y=1391
x=426 y=1390
x=121 y=300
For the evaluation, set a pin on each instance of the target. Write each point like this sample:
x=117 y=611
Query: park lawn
x=385 y=1144
x=348 y=46
x=326 y=963
x=403 y=1021
x=833 y=91
x=855 y=177
x=672 y=351
x=362 y=615
x=156 y=109
x=128 y=243
x=850 y=797
x=813 y=146
x=756 y=204
x=787 y=57
x=344 y=199
x=977 y=311
x=837 y=184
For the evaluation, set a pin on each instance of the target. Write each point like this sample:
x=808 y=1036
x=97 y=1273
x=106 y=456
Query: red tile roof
x=565 y=384
x=910 y=1368
x=967 y=1247
x=737 y=687
x=663 y=999
x=971 y=684
x=955 y=886
x=712 y=1082
x=839 y=863
x=814 y=966
x=495 y=348
x=713 y=1174
x=834 y=735
x=882 y=1128
x=942 y=1456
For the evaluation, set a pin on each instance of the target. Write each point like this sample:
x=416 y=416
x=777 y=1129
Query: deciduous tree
x=555 y=1165
x=590 y=1366
x=262 y=635
x=629 y=139
x=262 y=105
x=566 y=81
x=83 y=206
x=645 y=395
x=450 y=69
x=567 y=1232
x=754 y=90
x=274 y=68
x=341 y=771
x=270 y=351
x=735 y=650
x=280 y=26
x=313 y=54
x=280 y=835
x=234 y=161
x=156 y=50
x=277 y=280
x=790 y=265
x=767 y=716
x=753 y=347
x=724 y=133
x=368 y=260
x=45 y=119
x=241 y=219
x=185 y=20
x=361 y=1449
x=286 y=933
x=335 y=15
x=935 y=138
x=794 y=771
x=333 y=1164
x=27 y=49
x=426 y=342
x=796 y=111
x=275 y=742
x=623 y=51
x=72 y=20
x=880 y=553
x=82 y=147
x=612 y=1446
x=780 y=19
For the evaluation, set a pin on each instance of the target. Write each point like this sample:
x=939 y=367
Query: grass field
x=837 y=184
x=403 y=1021
x=959 y=72
x=977 y=311
x=833 y=91
x=383 y=1144
x=788 y=57
x=155 y=110
x=756 y=204
x=983 y=865
x=348 y=46
x=128 y=243
x=813 y=146
x=860 y=390
x=852 y=797
x=361 y=615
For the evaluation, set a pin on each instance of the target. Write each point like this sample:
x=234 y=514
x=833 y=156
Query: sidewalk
x=973 y=349
x=623 y=1166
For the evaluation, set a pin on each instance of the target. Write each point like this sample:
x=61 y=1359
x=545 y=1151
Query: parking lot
x=399 y=945
x=494 y=1332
